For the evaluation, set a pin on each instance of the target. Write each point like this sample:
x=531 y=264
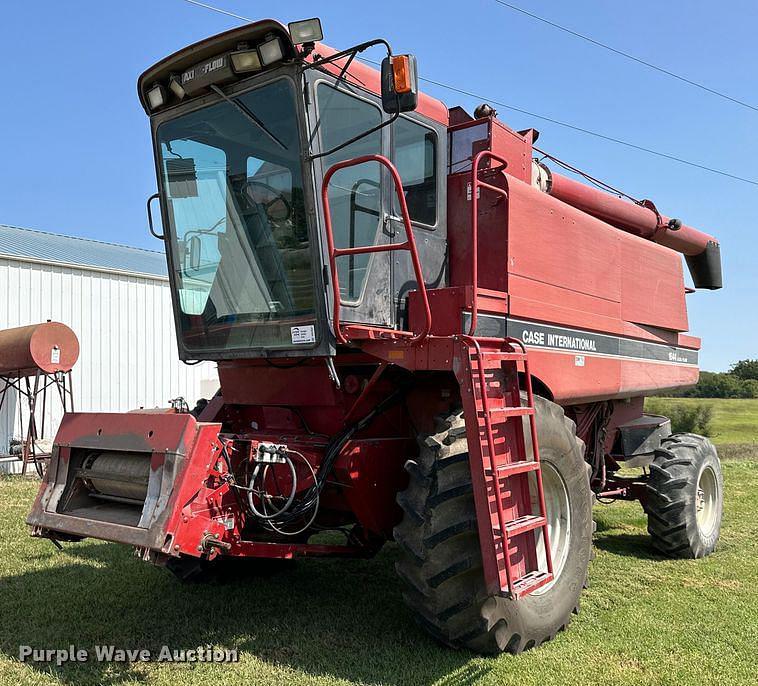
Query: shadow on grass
x=341 y=619
x=623 y=532
x=602 y=525
x=628 y=545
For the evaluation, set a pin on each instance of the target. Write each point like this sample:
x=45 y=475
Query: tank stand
x=31 y=390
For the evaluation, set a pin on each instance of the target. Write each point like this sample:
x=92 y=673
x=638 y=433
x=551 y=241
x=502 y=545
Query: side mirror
x=399 y=84
x=195 y=250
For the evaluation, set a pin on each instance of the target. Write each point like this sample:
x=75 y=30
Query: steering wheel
x=278 y=198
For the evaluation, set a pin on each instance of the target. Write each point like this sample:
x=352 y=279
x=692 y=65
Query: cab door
x=418 y=148
x=358 y=197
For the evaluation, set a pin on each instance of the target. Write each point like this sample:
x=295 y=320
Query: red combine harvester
x=422 y=334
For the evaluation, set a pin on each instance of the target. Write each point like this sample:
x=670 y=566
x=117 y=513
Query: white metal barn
x=116 y=299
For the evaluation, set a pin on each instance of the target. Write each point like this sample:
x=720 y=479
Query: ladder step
x=499 y=355
x=524 y=524
x=510 y=411
x=530 y=582
x=489 y=366
x=505 y=471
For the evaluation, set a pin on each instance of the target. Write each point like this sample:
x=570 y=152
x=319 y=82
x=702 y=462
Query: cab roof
x=359 y=73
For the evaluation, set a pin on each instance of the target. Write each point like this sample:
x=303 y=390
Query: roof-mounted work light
x=271 y=51
x=306 y=31
x=175 y=86
x=245 y=59
x=156 y=97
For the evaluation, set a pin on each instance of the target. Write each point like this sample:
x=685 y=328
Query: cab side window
x=355 y=193
x=415 y=156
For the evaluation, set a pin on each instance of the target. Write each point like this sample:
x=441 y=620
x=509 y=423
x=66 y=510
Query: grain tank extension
x=701 y=251
x=423 y=336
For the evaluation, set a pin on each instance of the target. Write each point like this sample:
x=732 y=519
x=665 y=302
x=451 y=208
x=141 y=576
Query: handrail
x=409 y=244
x=476 y=184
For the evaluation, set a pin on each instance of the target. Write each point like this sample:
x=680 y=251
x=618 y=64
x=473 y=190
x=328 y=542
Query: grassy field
x=735 y=422
x=644 y=620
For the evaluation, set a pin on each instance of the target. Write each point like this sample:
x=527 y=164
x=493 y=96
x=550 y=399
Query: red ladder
x=509 y=528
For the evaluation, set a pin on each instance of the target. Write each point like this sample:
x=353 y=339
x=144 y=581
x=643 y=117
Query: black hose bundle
x=306 y=507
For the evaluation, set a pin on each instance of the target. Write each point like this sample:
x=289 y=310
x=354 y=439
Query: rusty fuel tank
x=50 y=347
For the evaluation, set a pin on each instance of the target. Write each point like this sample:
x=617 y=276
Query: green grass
x=734 y=421
x=644 y=619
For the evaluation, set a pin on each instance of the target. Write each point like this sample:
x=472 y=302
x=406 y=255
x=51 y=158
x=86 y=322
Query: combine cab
x=422 y=335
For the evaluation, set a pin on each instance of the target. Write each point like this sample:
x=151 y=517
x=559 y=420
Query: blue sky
x=77 y=156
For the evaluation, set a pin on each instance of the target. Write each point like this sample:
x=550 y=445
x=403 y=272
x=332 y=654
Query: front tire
x=442 y=565
x=685 y=496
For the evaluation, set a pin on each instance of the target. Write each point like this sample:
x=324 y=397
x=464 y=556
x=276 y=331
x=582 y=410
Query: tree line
x=741 y=381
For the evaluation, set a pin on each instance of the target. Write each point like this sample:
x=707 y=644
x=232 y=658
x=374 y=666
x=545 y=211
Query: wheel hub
x=706 y=501
x=558 y=515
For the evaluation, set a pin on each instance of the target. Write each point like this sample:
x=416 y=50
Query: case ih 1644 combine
x=422 y=334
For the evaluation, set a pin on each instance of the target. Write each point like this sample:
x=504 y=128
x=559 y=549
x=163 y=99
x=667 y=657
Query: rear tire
x=685 y=496
x=442 y=565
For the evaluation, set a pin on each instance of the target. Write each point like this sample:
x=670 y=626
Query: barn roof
x=52 y=248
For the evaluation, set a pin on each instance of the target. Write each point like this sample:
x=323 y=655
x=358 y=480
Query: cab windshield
x=240 y=252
